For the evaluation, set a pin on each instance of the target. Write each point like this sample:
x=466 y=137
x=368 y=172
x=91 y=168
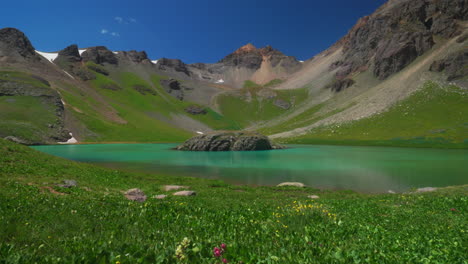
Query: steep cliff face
x=397 y=33
x=15 y=46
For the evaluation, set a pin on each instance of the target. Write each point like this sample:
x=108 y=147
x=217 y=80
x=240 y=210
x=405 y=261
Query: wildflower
x=217 y=252
x=225 y=261
x=223 y=246
x=453 y=209
x=117 y=262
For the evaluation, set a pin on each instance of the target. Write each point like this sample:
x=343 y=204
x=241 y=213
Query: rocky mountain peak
x=135 y=56
x=14 y=44
x=70 y=54
x=99 y=55
x=245 y=49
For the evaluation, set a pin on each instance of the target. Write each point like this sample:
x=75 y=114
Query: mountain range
x=399 y=77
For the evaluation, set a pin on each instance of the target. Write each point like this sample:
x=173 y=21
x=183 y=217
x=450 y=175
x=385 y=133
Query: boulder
x=135 y=195
x=426 y=189
x=282 y=104
x=228 y=141
x=313 y=197
x=168 y=188
x=68 y=184
x=185 y=193
x=293 y=184
x=195 y=110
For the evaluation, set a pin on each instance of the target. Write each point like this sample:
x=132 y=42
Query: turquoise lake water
x=367 y=169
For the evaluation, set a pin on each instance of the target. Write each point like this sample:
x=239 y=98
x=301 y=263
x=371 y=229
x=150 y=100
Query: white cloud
x=104 y=31
x=115 y=34
x=120 y=20
x=123 y=20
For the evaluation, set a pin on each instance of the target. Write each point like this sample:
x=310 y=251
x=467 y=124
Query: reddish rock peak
x=245 y=49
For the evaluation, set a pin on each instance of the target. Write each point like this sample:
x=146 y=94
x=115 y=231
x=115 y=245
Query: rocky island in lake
x=229 y=141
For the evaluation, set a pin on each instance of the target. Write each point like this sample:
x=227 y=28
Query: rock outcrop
x=455 y=65
x=402 y=49
x=341 y=84
x=228 y=141
x=172 y=65
x=174 y=88
x=195 y=110
x=14 y=45
x=69 y=54
x=397 y=33
x=250 y=57
x=135 y=56
x=99 y=55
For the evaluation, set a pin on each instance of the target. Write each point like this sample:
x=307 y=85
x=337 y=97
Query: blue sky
x=191 y=30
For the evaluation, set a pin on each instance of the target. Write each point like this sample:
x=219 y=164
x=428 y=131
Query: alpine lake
x=363 y=169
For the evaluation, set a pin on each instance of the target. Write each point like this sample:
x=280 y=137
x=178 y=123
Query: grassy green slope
x=144 y=106
x=433 y=116
x=94 y=223
x=26 y=117
x=256 y=109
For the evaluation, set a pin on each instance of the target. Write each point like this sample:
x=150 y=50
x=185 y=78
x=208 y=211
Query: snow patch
x=115 y=52
x=301 y=61
x=200 y=133
x=220 y=81
x=154 y=61
x=50 y=56
x=63 y=102
x=81 y=51
x=72 y=140
x=69 y=74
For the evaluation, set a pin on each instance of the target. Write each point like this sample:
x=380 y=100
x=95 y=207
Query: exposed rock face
x=282 y=104
x=341 y=84
x=228 y=141
x=250 y=57
x=455 y=65
x=144 y=89
x=246 y=63
x=195 y=110
x=397 y=33
x=174 y=88
x=401 y=50
x=135 y=56
x=174 y=65
x=15 y=45
x=69 y=54
x=99 y=55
